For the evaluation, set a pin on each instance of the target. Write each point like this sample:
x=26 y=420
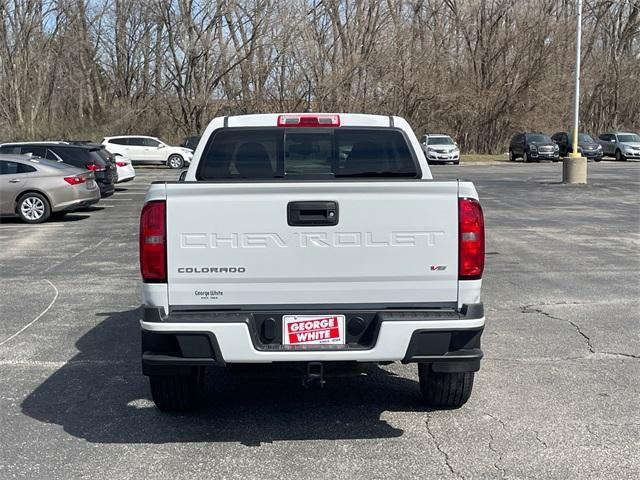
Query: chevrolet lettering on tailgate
x=309 y=239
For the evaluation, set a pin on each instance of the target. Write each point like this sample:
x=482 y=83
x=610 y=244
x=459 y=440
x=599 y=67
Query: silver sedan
x=35 y=189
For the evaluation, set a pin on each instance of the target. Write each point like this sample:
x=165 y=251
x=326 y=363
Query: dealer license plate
x=313 y=329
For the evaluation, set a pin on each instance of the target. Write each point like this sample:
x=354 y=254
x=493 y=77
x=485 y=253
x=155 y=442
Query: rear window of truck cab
x=309 y=153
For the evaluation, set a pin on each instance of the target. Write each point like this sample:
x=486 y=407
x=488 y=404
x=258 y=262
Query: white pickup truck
x=315 y=243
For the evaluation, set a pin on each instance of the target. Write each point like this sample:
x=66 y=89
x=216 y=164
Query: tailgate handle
x=311 y=214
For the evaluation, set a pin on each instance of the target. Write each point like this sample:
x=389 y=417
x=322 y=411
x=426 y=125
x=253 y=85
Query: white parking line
x=90 y=247
x=32 y=227
x=116 y=200
x=87 y=248
x=58 y=365
x=35 y=319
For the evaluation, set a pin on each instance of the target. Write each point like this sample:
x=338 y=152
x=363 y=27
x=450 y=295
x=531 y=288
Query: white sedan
x=126 y=172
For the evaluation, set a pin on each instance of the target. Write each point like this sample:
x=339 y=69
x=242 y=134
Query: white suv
x=140 y=149
x=440 y=148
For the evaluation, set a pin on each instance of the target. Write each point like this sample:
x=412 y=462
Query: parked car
x=122 y=164
x=86 y=157
x=440 y=148
x=140 y=149
x=126 y=172
x=191 y=142
x=533 y=147
x=367 y=265
x=124 y=167
x=34 y=189
x=79 y=142
x=621 y=145
x=587 y=146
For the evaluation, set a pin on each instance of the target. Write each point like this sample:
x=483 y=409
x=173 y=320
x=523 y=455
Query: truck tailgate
x=395 y=242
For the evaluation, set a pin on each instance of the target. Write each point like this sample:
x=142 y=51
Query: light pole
x=576 y=95
x=574 y=168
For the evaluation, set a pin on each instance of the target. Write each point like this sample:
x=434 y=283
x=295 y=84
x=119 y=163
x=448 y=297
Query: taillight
x=471 y=239
x=121 y=164
x=153 y=253
x=308 y=120
x=95 y=168
x=75 y=180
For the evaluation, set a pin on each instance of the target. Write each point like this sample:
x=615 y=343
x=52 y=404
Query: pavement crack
x=555 y=304
x=443 y=453
x=498 y=465
x=498 y=420
x=619 y=354
x=540 y=440
x=533 y=309
x=588 y=427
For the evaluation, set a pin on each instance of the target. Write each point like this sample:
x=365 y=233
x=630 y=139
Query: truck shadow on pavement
x=100 y=395
x=68 y=218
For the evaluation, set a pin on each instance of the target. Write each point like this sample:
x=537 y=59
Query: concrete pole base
x=574 y=170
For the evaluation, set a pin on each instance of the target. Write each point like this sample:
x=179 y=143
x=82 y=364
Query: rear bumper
x=592 y=155
x=81 y=198
x=449 y=340
x=126 y=174
x=106 y=189
x=79 y=204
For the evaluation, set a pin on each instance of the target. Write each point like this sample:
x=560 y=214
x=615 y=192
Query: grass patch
x=472 y=157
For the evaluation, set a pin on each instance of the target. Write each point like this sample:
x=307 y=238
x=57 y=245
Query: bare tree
x=479 y=70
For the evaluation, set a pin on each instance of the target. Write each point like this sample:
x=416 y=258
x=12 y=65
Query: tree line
x=479 y=70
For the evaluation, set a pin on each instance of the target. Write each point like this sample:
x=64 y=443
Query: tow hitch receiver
x=315 y=371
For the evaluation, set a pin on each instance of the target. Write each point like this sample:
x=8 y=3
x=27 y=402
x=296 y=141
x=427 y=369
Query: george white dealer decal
x=310 y=239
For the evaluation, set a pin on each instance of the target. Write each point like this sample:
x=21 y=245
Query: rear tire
x=33 y=208
x=525 y=157
x=444 y=389
x=512 y=157
x=176 y=393
x=175 y=162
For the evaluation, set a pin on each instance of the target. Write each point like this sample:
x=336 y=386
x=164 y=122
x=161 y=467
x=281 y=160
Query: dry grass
x=472 y=157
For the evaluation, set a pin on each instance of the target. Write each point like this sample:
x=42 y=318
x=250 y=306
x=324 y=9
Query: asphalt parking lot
x=558 y=395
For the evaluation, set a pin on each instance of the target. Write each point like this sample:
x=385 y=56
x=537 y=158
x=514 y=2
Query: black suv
x=191 y=142
x=533 y=147
x=587 y=146
x=87 y=157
